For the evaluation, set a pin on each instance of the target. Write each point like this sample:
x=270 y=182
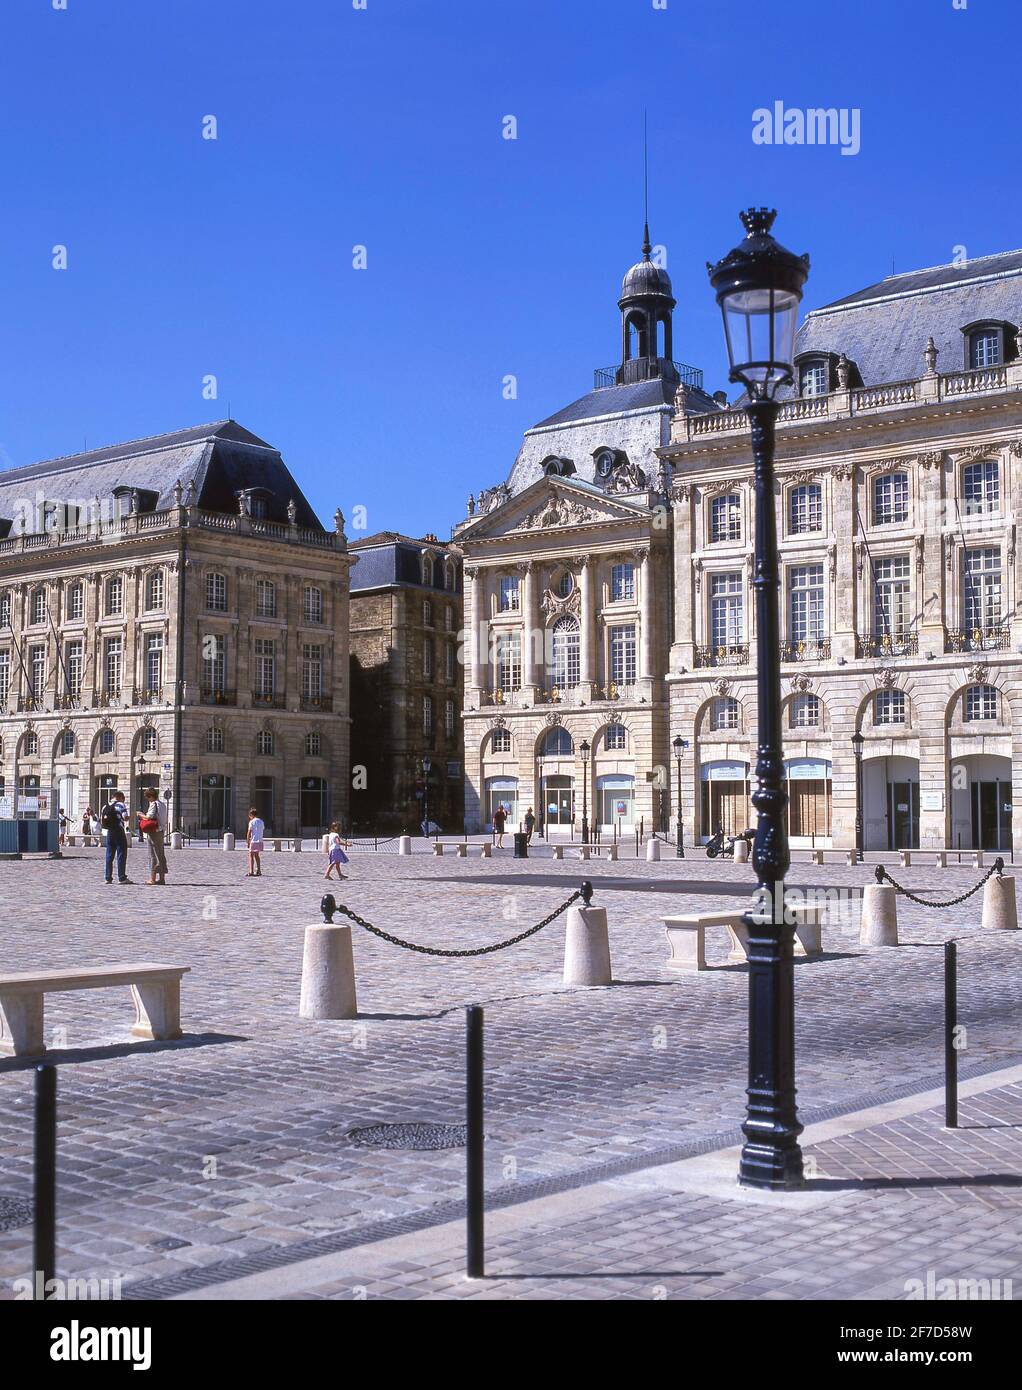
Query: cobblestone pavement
x=232 y=1146
x=895 y=1207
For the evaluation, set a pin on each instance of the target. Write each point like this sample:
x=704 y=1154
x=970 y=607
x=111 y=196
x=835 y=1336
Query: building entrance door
x=67 y=799
x=215 y=809
x=991 y=815
x=559 y=802
x=903 y=815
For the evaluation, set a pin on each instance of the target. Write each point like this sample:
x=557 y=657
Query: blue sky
x=486 y=257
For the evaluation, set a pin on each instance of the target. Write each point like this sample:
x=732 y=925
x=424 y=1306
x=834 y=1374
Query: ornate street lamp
x=758 y=287
x=857 y=742
x=679 y=746
x=583 y=748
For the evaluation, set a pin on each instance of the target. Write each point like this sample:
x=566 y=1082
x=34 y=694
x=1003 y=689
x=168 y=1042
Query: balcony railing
x=976 y=639
x=887 y=644
x=317 y=702
x=109 y=699
x=67 y=700
x=811 y=650
x=262 y=699
x=723 y=656
x=217 y=695
x=646 y=369
x=157 y=696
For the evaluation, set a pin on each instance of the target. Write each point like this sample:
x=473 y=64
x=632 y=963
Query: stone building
x=568 y=595
x=172 y=612
x=406 y=683
x=899 y=460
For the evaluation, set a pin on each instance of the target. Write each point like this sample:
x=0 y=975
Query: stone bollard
x=587 y=947
x=741 y=851
x=324 y=843
x=878 y=925
x=485 y=851
x=852 y=858
x=583 y=852
x=438 y=849
x=461 y=851
x=816 y=856
x=228 y=840
x=906 y=858
x=328 y=973
x=940 y=859
x=558 y=851
x=612 y=854
x=977 y=859
x=276 y=846
x=1000 y=912
x=176 y=839
x=296 y=845
x=652 y=851
x=404 y=844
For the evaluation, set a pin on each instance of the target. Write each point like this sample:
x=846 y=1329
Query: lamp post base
x=765 y=1165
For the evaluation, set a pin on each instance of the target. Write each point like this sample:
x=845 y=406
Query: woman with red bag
x=152 y=822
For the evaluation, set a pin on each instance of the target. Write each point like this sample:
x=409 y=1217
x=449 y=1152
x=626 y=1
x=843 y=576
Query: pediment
x=552 y=504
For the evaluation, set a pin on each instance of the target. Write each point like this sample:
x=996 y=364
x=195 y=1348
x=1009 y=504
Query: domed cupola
x=646 y=302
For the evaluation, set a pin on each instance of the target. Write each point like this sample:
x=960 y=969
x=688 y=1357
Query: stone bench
x=156 y=990
x=686 y=935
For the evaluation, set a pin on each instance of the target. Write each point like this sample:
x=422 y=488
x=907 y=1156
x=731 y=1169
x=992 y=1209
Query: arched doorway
x=981 y=802
x=503 y=792
x=890 y=796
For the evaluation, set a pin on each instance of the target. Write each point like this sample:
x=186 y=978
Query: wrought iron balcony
x=977 y=639
x=29 y=704
x=66 y=700
x=262 y=699
x=886 y=644
x=737 y=655
x=156 y=696
x=323 y=703
x=813 y=649
x=646 y=369
x=109 y=699
x=217 y=695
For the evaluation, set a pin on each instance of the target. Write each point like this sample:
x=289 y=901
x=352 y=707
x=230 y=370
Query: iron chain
x=477 y=951
x=881 y=874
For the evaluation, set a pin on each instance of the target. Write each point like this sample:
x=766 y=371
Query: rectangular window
x=805 y=604
x=265 y=668
x=114 y=597
x=313 y=605
x=622 y=654
x=451 y=662
x=76 y=603
x=815 y=379
x=622 y=583
x=510 y=593
x=981 y=702
x=981 y=589
x=73 y=667
x=891 y=598
x=427 y=715
x=449 y=718
x=509 y=662
x=266 y=599
x=727 y=617
x=312 y=672
x=216 y=592
x=5 y=678
x=985 y=348
x=427 y=660
x=113 y=656
x=890 y=499
x=726 y=518
x=805 y=509
x=889 y=707
x=154 y=662
x=981 y=487
x=724 y=713
x=805 y=712
x=37 y=670
x=214 y=665
x=427 y=613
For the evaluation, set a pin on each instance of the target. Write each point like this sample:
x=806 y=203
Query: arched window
x=31 y=745
x=427 y=570
x=564 y=670
x=214 y=739
x=313 y=745
x=557 y=743
x=805 y=712
x=154 y=591
x=981 y=702
x=38 y=612
x=617 y=737
x=76 y=603
x=106 y=741
x=724 y=713
x=114 y=601
x=265 y=743
x=150 y=741
x=501 y=741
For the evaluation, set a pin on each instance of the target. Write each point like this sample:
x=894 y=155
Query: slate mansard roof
x=883 y=329
x=221 y=459
x=389 y=558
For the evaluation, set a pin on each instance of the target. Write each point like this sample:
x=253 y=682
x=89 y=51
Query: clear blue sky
x=486 y=257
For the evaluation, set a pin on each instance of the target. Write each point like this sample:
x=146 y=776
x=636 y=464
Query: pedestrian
x=112 y=818
x=335 y=852
x=152 y=822
x=88 y=816
x=254 y=839
x=499 y=821
x=530 y=824
x=62 y=822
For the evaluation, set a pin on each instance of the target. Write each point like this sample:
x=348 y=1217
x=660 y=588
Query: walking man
x=112 y=818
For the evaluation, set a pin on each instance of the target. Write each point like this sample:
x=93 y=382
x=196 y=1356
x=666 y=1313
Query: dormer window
x=988 y=343
x=556 y=467
x=814 y=377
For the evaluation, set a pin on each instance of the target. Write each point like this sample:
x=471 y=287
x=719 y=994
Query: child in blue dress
x=335 y=852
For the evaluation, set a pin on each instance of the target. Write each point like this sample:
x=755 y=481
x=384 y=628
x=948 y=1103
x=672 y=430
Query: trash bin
x=521 y=845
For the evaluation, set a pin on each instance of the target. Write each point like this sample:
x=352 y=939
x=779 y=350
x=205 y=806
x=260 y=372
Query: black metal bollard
x=474 y=1189
x=950 y=1024
x=44 y=1243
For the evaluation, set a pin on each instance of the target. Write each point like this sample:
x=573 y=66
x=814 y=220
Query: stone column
x=646 y=619
x=683 y=649
x=532 y=660
x=587 y=645
x=929 y=556
x=848 y=556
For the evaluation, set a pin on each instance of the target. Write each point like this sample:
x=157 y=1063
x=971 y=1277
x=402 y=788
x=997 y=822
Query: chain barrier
x=375 y=841
x=881 y=875
x=329 y=907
